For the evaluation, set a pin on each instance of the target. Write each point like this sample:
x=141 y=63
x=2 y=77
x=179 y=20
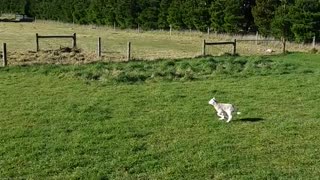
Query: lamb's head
x=213 y=101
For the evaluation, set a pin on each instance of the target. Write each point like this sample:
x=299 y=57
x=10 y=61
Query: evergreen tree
x=43 y=10
x=34 y=10
x=12 y=6
x=196 y=14
x=163 y=14
x=233 y=16
x=53 y=7
x=263 y=13
x=95 y=12
x=148 y=18
x=281 y=23
x=248 y=24
x=109 y=12
x=188 y=13
x=126 y=13
x=175 y=18
x=27 y=8
x=66 y=11
x=217 y=15
x=305 y=18
x=287 y=19
x=80 y=11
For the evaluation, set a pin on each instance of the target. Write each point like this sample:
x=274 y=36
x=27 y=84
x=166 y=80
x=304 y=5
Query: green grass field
x=151 y=120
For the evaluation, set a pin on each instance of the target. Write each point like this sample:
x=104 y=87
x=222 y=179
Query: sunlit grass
x=59 y=122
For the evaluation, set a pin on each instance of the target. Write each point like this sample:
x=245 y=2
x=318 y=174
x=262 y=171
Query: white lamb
x=224 y=111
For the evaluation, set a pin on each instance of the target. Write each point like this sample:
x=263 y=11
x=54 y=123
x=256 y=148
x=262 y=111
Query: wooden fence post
x=74 y=40
x=208 y=31
x=4 y=55
x=257 y=36
x=129 y=51
x=170 y=29
x=235 y=47
x=37 y=42
x=283 y=45
x=314 y=42
x=99 y=47
x=204 y=47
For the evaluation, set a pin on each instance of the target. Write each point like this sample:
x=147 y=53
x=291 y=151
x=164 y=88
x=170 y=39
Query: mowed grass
x=86 y=121
x=147 y=45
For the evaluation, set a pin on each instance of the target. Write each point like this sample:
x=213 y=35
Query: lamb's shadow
x=251 y=119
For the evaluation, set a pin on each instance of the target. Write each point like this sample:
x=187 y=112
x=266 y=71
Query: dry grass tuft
x=59 y=56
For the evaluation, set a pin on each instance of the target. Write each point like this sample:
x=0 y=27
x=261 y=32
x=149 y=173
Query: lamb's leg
x=220 y=114
x=229 y=116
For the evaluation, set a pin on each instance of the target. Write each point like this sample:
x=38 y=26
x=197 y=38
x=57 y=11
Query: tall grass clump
x=170 y=70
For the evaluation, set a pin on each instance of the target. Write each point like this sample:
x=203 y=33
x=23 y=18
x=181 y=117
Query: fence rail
x=204 y=44
x=73 y=37
x=55 y=36
x=255 y=40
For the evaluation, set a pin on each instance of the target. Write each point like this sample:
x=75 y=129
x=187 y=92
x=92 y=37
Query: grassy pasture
x=149 y=45
x=154 y=122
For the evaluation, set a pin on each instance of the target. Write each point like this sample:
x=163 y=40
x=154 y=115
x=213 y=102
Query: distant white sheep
x=269 y=51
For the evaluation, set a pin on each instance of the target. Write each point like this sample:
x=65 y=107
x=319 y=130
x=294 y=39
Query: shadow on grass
x=251 y=119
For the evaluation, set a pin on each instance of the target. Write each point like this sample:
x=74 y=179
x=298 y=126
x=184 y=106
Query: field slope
x=151 y=120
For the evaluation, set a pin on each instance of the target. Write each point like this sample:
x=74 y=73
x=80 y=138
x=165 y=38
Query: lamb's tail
x=236 y=110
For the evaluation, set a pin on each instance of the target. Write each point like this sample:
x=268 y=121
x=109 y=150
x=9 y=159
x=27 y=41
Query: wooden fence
x=74 y=44
x=73 y=37
x=129 y=46
x=265 y=40
x=99 y=49
x=204 y=44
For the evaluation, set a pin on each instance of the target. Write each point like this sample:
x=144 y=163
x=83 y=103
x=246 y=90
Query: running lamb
x=224 y=111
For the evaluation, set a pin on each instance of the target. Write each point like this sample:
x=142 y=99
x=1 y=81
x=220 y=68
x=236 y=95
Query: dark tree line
x=297 y=20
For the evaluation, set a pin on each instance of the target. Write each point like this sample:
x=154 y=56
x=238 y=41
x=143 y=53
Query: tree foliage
x=292 y=19
x=281 y=23
x=233 y=16
x=263 y=14
x=305 y=19
x=217 y=15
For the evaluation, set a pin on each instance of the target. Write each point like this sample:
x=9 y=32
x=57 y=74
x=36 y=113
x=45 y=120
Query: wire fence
x=113 y=45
